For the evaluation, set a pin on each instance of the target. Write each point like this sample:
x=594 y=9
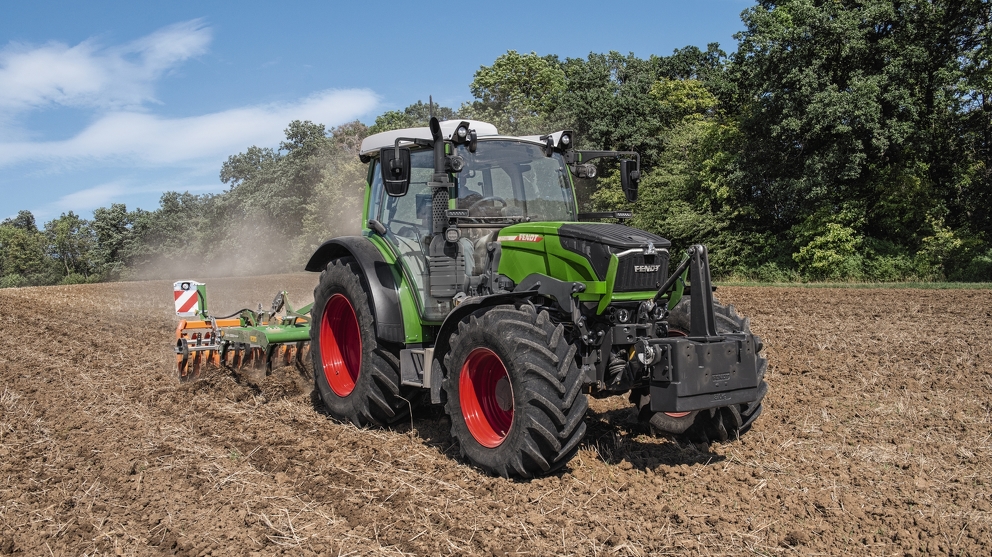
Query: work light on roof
x=462 y=134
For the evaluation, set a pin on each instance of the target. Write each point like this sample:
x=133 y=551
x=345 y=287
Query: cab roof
x=373 y=143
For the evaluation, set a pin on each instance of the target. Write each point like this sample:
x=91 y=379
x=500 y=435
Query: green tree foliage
x=860 y=108
x=608 y=102
x=113 y=230
x=23 y=221
x=516 y=93
x=605 y=98
x=23 y=260
x=70 y=243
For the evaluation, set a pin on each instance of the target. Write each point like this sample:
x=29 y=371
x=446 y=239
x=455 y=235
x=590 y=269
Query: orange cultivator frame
x=197 y=344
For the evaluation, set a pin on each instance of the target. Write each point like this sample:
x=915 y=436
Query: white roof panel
x=373 y=143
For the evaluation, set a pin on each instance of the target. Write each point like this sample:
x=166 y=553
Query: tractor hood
x=597 y=241
x=618 y=236
x=641 y=257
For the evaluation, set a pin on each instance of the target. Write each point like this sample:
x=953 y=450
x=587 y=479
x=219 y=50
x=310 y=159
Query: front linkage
x=706 y=368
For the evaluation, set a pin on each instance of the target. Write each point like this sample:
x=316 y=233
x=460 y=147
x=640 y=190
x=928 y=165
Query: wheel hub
x=504 y=396
x=486 y=397
x=340 y=345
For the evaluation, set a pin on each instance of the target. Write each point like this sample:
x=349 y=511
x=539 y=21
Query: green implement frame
x=247 y=340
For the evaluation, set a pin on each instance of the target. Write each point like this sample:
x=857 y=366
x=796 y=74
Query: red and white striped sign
x=187 y=297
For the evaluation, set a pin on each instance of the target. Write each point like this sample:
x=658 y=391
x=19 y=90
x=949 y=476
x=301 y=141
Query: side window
x=407 y=220
x=406 y=216
x=547 y=193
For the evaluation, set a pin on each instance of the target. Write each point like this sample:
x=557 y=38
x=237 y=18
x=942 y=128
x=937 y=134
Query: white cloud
x=147 y=139
x=89 y=199
x=88 y=75
x=129 y=150
x=124 y=190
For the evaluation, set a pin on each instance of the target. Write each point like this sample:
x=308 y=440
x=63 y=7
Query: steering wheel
x=489 y=198
x=407 y=230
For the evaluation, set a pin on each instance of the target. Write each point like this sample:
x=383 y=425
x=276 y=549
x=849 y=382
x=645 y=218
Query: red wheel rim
x=340 y=345
x=676 y=333
x=486 y=397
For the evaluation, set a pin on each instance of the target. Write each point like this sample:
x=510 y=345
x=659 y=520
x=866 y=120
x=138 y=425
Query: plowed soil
x=875 y=440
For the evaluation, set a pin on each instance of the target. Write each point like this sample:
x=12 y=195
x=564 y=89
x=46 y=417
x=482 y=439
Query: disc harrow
x=250 y=342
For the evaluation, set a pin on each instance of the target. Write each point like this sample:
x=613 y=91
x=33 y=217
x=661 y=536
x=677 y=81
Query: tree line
x=843 y=140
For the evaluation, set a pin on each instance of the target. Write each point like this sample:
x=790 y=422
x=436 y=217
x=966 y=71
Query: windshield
x=506 y=178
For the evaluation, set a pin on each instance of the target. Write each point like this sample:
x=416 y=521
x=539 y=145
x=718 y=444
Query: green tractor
x=476 y=283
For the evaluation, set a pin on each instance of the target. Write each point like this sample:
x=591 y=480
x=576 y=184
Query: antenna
x=430 y=103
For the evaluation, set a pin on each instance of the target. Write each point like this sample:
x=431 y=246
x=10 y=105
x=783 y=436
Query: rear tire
x=715 y=424
x=514 y=392
x=358 y=379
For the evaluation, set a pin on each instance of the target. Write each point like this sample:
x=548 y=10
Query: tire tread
x=549 y=415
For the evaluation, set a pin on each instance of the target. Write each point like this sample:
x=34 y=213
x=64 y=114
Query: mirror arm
x=574 y=157
x=415 y=140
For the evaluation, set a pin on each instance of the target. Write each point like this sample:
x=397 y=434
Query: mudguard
x=468 y=306
x=377 y=279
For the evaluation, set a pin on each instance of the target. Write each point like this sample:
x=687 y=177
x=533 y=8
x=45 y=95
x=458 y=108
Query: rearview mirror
x=395 y=170
x=630 y=175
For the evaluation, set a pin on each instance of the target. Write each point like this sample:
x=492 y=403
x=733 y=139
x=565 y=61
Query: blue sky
x=116 y=102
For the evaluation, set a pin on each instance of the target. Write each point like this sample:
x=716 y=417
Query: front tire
x=357 y=378
x=514 y=392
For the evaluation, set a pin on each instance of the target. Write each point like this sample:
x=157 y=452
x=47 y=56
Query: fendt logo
x=646 y=268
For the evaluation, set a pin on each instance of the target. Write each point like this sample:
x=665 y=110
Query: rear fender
x=377 y=279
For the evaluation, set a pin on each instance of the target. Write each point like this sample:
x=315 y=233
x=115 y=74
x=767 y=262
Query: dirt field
x=875 y=441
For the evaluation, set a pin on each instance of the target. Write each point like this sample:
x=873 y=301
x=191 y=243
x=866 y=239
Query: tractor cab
x=500 y=181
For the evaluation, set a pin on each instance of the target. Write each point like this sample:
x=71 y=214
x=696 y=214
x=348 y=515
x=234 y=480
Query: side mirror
x=395 y=170
x=630 y=175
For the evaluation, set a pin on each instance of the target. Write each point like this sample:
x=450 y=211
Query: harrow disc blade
x=302 y=353
x=302 y=357
x=258 y=359
x=237 y=356
x=182 y=360
x=247 y=357
x=194 y=373
x=282 y=355
x=181 y=368
x=213 y=358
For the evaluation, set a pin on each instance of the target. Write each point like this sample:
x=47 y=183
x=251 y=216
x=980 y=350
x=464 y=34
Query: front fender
x=450 y=324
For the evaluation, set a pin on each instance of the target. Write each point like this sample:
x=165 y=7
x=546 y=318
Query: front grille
x=596 y=241
x=629 y=280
